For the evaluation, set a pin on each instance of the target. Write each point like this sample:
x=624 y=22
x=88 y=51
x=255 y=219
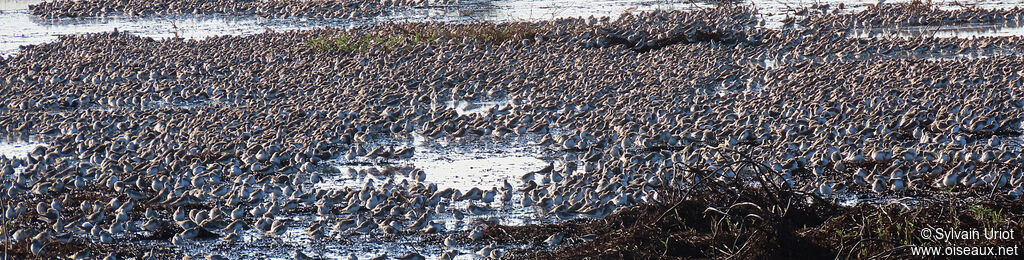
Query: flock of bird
x=198 y=142
x=270 y=9
x=911 y=14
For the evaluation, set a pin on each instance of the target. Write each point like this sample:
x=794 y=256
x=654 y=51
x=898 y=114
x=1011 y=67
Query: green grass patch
x=987 y=216
x=408 y=36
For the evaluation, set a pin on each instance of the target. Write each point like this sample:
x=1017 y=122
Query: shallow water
x=449 y=164
x=21 y=28
x=464 y=107
x=949 y=31
x=18 y=149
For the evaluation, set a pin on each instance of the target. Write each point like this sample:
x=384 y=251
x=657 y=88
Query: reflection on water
x=465 y=107
x=30 y=30
x=461 y=166
x=8 y=5
x=946 y=31
x=17 y=149
x=533 y=10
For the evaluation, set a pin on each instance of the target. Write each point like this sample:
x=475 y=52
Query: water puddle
x=482 y=172
x=970 y=55
x=948 y=31
x=18 y=149
x=534 y=10
x=895 y=54
x=17 y=152
x=23 y=29
x=465 y=165
x=466 y=107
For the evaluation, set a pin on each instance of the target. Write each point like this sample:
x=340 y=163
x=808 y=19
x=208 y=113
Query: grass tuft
x=408 y=36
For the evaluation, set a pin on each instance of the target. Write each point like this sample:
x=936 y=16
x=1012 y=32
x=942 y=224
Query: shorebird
x=204 y=134
x=476 y=233
x=949 y=180
x=554 y=240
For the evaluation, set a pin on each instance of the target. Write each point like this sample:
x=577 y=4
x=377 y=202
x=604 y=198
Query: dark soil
x=747 y=225
x=57 y=250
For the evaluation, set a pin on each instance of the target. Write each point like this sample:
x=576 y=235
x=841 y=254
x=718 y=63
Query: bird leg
x=4 y=232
